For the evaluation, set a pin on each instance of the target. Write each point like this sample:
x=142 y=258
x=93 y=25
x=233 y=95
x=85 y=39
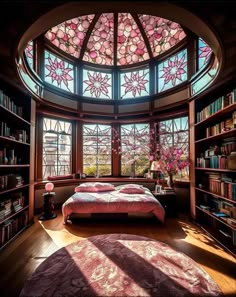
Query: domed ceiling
x=116 y=39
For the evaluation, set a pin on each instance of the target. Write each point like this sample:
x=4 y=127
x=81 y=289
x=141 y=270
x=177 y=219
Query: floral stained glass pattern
x=100 y=46
x=96 y=84
x=57 y=144
x=134 y=84
x=162 y=33
x=131 y=47
x=172 y=71
x=58 y=72
x=97 y=140
x=29 y=52
x=204 y=53
x=69 y=36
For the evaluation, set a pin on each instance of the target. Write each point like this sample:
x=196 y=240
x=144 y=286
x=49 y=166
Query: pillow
x=94 y=187
x=57 y=177
x=132 y=189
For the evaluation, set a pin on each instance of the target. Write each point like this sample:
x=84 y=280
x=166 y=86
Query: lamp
x=48 y=205
x=49 y=187
x=156 y=174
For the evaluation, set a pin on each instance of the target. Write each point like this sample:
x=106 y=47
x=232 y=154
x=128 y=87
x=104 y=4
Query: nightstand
x=168 y=201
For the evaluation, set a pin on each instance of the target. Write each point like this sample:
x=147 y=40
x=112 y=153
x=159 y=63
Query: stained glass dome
x=116 y=39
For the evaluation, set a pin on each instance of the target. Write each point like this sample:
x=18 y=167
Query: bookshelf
x=15 y=157
x=213 y=152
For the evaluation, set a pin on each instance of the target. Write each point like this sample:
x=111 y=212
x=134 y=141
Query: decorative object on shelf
x=48 y=206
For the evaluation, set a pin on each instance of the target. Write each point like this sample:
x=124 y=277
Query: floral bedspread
x=112 y=202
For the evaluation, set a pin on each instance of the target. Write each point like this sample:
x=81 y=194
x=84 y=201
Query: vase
x=170 y=181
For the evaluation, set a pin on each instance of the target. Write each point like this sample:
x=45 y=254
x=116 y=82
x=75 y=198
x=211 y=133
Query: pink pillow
x=132 y=189
x=58 y=177
x=94 y=187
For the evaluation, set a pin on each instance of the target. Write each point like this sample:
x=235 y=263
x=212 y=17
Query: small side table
x=48 y=206
x=168 y=201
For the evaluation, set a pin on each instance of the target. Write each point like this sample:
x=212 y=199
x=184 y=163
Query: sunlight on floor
x=60 y=236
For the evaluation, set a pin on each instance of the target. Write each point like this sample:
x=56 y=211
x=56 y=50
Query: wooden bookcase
x=213 y=152
x=15 y=155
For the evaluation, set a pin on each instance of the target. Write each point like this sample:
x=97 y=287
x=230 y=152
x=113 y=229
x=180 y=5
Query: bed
x=129 y=198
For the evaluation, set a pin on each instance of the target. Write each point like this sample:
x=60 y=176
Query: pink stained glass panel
x=162 y=33
x=172 y=71
x=69 y=36
x=97 y=84
x=29 y=52
x=58 y=72
x=131 y=47
x=134 y=84
x=100 y=46
x=204 y=53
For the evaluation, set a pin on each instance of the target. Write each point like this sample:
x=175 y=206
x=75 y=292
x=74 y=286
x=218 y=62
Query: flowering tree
x=171 y=160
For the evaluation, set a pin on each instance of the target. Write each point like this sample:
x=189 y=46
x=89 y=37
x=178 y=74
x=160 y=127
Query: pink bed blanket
x=112 y=202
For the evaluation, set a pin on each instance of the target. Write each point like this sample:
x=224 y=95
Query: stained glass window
x=131 y=47
x=172 y=71
x=174 y=133
x=116 y=38
x=97 y=140
x=69 y=36
x=134 y=84
x=135 y=149
x=162 y=33
x=204 y=53
x=29 y=53
x=57 y=144
x=100 y=46
x=97 y=84
x=58 y=72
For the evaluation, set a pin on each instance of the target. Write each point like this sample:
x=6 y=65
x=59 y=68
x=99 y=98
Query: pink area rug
x=119 y=265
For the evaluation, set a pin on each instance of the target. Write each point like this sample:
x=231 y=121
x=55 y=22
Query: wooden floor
x=19 y=259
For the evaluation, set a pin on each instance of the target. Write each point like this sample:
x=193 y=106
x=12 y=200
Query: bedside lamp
x=156 y=169
x=49 y=187
x=48 y=205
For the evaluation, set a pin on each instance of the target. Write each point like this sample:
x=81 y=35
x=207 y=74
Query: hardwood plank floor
x=21 y=257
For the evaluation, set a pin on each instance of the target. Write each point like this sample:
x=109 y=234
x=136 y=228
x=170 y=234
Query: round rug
x=119 y=265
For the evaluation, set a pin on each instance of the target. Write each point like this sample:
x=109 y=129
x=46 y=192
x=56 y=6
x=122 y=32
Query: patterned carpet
x=119 y=265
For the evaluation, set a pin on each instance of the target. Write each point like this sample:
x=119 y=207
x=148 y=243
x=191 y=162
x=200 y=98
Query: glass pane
x=162 y=33
x=69 y=36
x=29 y=52
x=204 y=53
x=58 y=72
x=97 y=84
x=172 y=71
x=97 y=149
x=57 y=147
x=135 y=148
x=131 y=47
x=134 y=84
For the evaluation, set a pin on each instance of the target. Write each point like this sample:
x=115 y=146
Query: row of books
x=10 y=181
x=11 y=227
x=8 y=157
x=20 y=135
x=11 y=205
x=223 y=188
x=8 y=103
x=223 y=126
x=217 y=105
x=218 y=162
